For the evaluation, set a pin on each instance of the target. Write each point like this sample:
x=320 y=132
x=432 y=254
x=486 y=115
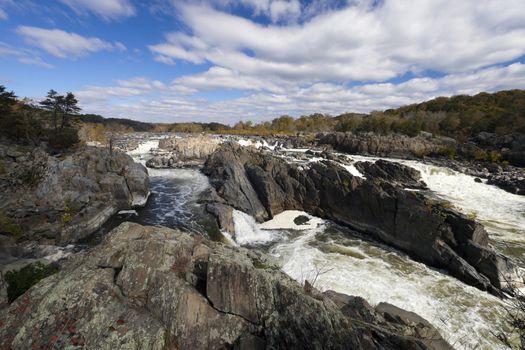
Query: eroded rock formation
x=71 y=196
x=156 y=288
x=263 y=185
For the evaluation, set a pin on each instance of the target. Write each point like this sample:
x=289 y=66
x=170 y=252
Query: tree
x=7 y=118
x=7 y=100
x=53 y=103
x=68 y=107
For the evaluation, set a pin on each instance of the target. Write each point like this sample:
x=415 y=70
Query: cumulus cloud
x=367 y=41
x=145 y=99
x=106 y=9
x=64 y=44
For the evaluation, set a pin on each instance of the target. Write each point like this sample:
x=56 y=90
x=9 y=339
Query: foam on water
x=144 y=147
x=256 y=144
x=248 y=232
x=502 y=212
x=353 y=170
x=464 y=315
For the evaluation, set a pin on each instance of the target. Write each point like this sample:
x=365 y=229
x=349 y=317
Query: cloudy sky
x=230 y=60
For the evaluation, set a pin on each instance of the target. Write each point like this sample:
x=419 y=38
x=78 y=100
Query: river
x=339 y=259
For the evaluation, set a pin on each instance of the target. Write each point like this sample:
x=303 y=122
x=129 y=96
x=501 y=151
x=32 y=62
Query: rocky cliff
x=61 y=199
x=263 y=185
x=156 y=288
x=393 y=145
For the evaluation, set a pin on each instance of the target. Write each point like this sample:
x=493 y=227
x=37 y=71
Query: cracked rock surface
x=157 y=288
x=73 y=194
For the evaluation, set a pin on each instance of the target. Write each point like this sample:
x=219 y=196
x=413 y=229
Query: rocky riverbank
x=497 y=159
x=49 y=202
x=263 y=185
x=156 y=288
x=61 y=199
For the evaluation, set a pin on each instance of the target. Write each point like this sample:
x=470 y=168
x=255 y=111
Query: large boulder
x=157 y=288
x=74 y=194
x=263 y=185
x=179 y=152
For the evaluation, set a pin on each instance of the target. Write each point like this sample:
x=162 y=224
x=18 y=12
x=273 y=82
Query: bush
x=63 y=138
x=480 y=155
x=494 y=157
x=18 y=282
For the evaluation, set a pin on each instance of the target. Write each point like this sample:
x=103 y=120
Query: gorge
x=334 y=252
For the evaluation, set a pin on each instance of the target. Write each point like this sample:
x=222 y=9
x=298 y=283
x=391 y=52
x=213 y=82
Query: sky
x=231 y=60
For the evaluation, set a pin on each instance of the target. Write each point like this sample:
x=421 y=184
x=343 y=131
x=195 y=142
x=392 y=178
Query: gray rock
x=263 y=185
x=76 y=194
x=156 y=288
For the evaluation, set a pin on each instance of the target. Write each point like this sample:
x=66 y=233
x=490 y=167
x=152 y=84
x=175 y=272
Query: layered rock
x=263 y=185
x=73 y=195
x=156 y=288
x=183 y=152
x=393 y=145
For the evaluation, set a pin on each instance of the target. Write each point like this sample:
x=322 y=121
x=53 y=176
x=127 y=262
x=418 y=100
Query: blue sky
x=230 y=60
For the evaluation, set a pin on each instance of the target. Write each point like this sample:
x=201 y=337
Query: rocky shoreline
x=263 y=185
x=50 y=202
x=156 y=288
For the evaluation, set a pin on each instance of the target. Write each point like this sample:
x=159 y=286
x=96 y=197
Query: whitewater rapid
x=464 y=315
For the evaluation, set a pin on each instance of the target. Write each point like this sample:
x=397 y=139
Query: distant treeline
x=459 y=117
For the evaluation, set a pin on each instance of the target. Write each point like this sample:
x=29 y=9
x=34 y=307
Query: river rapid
x=336 y=258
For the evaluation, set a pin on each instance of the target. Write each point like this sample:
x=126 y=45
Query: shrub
x=63 y=138
x=494 y=157
x=480 y=155
x=18 y=282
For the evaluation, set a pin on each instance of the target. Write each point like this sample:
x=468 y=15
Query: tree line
x=57 y=117
x=459 y=117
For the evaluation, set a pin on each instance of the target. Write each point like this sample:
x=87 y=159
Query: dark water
x=173 y=203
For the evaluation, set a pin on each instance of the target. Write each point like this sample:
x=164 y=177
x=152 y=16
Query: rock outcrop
x=72 y=195
x=183 y=152
x=393 y=145
x=263 y=185
x=156 y=288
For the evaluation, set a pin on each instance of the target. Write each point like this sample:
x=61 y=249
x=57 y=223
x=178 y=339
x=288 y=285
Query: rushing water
x=338 y=259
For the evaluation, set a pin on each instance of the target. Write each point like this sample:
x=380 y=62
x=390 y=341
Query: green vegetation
x=50 y=120
x=20 y=281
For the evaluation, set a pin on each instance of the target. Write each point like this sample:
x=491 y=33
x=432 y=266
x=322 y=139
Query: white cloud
x=285 y=10
x=23 y=55
x=64 y=44
x=3 y=15
x=106 y=9
x=223 y=78
x=360 y=42
x=145 y=99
